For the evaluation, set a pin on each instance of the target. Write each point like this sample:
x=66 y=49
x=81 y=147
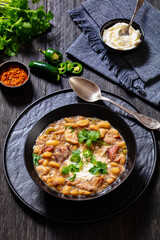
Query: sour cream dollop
x=113 y=40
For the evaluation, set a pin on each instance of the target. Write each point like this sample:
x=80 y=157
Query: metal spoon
x=125 y=30
x=90 y=92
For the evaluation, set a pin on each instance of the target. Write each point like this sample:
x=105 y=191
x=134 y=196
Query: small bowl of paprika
x=14 y=76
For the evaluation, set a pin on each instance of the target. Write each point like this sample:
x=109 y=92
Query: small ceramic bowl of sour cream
x=109 y=34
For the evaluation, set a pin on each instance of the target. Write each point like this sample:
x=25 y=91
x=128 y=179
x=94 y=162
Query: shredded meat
x=61 y=153
x=47 y=149
x=71 y=137
x=108 y=140
x=41 y=170
x=98 y=181
x=102 y=150
x=87 y=186
x=112 y=151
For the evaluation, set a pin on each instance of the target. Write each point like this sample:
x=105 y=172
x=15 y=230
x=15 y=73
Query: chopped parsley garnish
x=99 y=167
x=65 y=170
x=76 y=164
x=89 y=137
x=93 y=160
x=77 y=151
x=80 y=164
x=72 y=178
x=94 y=170
x=83 y=135
x=36 y=158
x=73 y=168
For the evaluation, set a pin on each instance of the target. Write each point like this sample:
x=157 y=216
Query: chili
x=68 y=66
x=75 y=158
x=13 y=76
x=62 y=68
x=87 y=153
x=52 y=55
x=45 y=68
x=76 y=68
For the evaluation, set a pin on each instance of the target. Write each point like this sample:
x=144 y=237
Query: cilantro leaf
x=80 y=164
x=88 y=136
x=72 y=178
x=18 y=24
x=35 y=1
x=65 y=170
x=99 y=167
x=93 y=160
x=36 y=158
x=22 y=4
x=89 y=142
x=82 y=135
x=77 y=151
x=103 y=171
x=1 y=43
x=73 y=168
x=94 y=170
x=93 y=135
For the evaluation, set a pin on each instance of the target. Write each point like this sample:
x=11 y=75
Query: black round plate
x=69 y=211
x=87 y=110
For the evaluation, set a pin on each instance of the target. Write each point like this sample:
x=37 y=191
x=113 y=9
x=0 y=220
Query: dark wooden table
x=140 y=221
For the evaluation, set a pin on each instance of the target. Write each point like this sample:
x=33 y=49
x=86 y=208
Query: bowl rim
x=2 y=65
x=57 y=194
x=111 y=22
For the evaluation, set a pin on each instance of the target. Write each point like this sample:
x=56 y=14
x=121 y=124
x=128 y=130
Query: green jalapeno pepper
x=69 y=66
x=62 y=68
x=76 y=68
x=75 y=158
x=45 y=67
x=87 y=153
x=52 y=55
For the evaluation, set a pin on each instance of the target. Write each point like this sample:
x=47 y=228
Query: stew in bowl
x=81 y=155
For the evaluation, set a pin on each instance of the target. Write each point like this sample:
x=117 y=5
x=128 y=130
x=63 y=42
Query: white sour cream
x=113 y=40
x=84 y=173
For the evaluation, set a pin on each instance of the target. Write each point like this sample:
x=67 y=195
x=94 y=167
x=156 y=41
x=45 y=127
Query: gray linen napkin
x=137 y=71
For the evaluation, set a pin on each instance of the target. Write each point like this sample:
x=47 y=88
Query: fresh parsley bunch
x=18 y=24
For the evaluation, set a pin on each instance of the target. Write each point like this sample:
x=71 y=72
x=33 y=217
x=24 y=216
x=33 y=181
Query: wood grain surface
x=141 y=220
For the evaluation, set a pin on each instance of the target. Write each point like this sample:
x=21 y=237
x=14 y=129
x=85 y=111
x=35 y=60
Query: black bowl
x=114 y=21
x=88 y=110
x=15 y=89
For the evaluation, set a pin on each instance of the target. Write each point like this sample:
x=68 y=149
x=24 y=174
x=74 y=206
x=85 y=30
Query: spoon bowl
x=79 y=85
x=90 y=92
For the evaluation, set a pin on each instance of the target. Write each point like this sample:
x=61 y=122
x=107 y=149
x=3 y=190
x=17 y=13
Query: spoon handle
x=144 y=120
x=138 y=5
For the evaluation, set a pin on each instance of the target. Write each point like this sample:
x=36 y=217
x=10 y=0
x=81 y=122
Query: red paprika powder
x=13 y=76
